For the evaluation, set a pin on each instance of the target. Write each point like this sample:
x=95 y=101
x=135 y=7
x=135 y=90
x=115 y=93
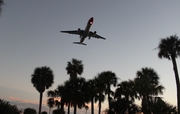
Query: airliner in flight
x=85 y=33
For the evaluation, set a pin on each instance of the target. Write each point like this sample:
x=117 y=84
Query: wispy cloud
x=24 y=103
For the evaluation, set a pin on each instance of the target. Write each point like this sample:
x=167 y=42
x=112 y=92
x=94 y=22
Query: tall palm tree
x=74 y=68
x=50 y=103
x=75 y=86
x=169 y=48
x=91 y=91
x=64 y=92
x=42 y=79
x=148 y=85
x=109 y=79
x=100 y=92
x=1 y=3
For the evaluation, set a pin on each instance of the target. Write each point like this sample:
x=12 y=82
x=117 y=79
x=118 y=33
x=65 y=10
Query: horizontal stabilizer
x=79 y=43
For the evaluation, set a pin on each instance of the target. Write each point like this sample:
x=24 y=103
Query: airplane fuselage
x=86 y=30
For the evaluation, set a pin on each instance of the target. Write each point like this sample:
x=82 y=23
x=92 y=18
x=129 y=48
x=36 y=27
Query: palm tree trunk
x=40 y=102
x=99 y=107
x=109 y=99
x=92 y=105
x=177 y=82
x=69 y=108
x=75 y=108
x=100 y=97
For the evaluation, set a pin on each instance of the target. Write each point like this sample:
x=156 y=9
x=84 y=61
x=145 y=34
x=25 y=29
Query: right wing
x=93 y=34
x=76 y=32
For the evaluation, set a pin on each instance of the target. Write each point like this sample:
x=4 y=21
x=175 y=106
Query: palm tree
x=57 y=103
x=158 y=106
x=126 y=94
x=76 y=93
x=64 y=93
x=42 y=79
x=54 y=95
x=100 y=92
x=91 y=91
x=108 y=78
x=50 y=103
x=169 y=48
x=86 y=108
x=74 y=68
x=148 y=85
x=1 y=3
x=121 y=106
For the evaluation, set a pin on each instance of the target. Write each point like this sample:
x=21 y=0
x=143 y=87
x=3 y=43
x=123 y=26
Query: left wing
x=76 y=32
x=93 y=34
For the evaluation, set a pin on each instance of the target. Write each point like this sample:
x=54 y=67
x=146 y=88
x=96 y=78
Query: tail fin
x=79 y=43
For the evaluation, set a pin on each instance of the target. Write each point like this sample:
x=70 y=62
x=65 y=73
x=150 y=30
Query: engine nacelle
x=94 y=33
x=79 y=30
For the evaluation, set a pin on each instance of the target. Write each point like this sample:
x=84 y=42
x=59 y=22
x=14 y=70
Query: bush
x=7 y=108
x=30 y=111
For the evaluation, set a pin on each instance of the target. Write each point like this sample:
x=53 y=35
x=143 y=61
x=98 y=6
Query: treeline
x=77 y=91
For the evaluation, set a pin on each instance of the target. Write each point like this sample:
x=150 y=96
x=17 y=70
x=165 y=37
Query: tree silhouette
x=74 y=68
x=50 y=103
x=42 y=79
x=125 y=95
x=169 y=48
x=44 y=112
x=75 y=86
x=86 y=108
x=108 y=78
x=158 y=106
x=30 y=111
x=91 y=91
x=7 y=108
x=147 y=85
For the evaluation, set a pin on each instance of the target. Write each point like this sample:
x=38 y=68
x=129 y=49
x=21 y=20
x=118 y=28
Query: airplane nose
x=91 y=20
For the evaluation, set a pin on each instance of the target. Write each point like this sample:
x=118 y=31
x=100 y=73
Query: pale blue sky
x=30 y=38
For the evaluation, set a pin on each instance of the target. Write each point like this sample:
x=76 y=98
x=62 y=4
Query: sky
x=30 y=37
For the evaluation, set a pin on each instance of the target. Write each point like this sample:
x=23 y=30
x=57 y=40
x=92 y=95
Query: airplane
x=85 y=33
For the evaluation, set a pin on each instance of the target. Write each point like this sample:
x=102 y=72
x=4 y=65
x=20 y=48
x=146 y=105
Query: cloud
x=23 y=103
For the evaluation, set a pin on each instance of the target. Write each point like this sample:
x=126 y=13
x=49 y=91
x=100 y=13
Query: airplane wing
x=76 y=32
x=93 y=34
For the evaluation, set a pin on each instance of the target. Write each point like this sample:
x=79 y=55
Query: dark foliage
x=59 y=111
x=7 y=108
x=30 y=111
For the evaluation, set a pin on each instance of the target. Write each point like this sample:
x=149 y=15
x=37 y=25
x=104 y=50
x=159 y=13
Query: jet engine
x=79 y=30
x=94 y=33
